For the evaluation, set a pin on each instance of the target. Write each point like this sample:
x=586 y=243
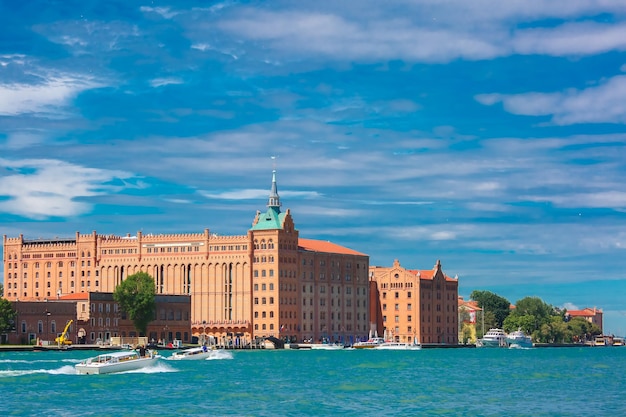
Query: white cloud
x=584 y=38
x=24 y=139
x=43 y=188
x=164 y=12
x=602 y=103
x=159 y=82
x=50 y=97
x=257 y=194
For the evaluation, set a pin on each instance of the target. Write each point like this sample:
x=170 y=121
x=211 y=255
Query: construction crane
x=62 y=339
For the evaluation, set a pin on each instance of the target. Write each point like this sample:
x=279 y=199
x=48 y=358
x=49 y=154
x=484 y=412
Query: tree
x=1 y=289
x=494 y=304
x=135 y=295
x=7 y=316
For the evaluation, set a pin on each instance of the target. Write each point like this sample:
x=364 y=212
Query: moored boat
x=398 y=346
x=369 y=343
x=519 y=340
x=194 y=353
x=119 y=361
x=493 y=338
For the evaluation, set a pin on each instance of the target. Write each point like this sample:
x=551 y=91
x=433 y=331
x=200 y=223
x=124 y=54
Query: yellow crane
x=62 y=339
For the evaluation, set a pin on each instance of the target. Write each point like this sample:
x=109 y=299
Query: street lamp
x=47 y=328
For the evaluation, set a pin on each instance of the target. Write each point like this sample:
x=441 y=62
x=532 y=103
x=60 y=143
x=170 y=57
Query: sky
x=489 y=135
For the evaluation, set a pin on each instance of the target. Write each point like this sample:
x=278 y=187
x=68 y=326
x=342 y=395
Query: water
x=449 y=382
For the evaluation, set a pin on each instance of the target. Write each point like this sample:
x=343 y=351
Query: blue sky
x=490 y=135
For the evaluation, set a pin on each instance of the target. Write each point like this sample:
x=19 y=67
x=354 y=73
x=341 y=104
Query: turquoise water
x=457 y=382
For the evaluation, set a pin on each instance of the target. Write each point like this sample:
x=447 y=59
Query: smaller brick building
x=96 y=319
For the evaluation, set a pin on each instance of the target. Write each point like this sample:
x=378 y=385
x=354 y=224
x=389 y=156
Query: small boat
x=195 y=353
x=326 y=346
x=369 y=343
x=519 y=340
x=493 y=338
x=398 y=346
x=120 y=361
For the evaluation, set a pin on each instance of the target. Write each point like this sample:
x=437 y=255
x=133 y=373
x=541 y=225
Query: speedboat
x=493 y=338
x=519 y=340
x=398 y=346
x=195 y=353
x=121 y=361
x=369 y=343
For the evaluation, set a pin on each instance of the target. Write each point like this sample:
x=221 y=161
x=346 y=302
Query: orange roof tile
x=76 y=296
x=325 y=246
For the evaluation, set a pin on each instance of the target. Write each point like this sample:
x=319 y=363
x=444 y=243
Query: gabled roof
x=428 y=274
x=312 y=245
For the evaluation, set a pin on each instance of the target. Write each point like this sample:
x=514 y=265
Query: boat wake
x=158 y=368
x=220 y=355
x=64 y=370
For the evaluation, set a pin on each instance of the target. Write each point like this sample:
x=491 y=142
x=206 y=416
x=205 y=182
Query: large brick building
x=407 y=304
x=267 y=282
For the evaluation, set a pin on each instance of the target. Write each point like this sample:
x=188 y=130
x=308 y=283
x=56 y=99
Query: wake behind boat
x=195 y=353
x=121 y=361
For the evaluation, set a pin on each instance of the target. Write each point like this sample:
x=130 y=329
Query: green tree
x=7 y=315
x=1 y=289
x=494 y=304
x=135 y=295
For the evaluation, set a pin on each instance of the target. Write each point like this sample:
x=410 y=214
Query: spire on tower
x=274 y=200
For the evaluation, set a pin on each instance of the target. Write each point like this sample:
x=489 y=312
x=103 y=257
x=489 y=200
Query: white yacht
x=369 y=344
x=493 y=338
x=519 y=340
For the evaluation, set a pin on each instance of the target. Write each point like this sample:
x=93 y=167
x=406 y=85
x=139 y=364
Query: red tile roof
x=325 y=246
x=79 y=296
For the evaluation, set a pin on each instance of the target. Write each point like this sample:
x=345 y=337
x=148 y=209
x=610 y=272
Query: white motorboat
x=493 y=338
x=369 y=343
x=118 y=361
x=519 y=340
x=195 y=353
x=398 y=346
x=326 y=346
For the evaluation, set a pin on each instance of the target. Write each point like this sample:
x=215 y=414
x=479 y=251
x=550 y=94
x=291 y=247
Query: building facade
x=267 y=282
x=469 y=314
x=414 y=304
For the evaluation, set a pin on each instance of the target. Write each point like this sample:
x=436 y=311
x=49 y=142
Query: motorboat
x=369 y=343
x=493 y=338
x=194 y=353
x=119 y=361
x=326 y=346
x=389 y=345
x=519 y=340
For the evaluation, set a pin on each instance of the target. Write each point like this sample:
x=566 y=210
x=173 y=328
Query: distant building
x=407 y=304
x=267 y=282
x=469 y=313
x=592 y=315
x=96 y=318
